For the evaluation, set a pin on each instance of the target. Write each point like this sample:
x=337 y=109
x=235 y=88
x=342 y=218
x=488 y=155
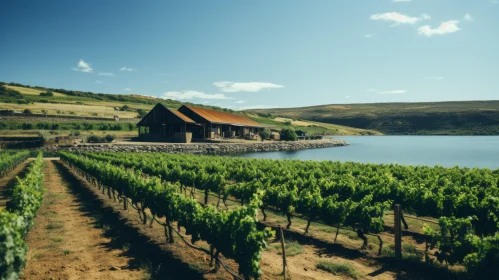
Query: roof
x=175 y=112
x=182 y=116
x=223 y=118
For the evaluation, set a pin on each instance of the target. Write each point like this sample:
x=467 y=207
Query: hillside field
x=130 y=107
x=436 y=118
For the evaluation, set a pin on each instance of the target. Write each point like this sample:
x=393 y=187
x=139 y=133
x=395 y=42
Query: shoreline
x=205 y=148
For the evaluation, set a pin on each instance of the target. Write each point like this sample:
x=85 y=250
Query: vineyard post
x=284 y=263
x=398 y=229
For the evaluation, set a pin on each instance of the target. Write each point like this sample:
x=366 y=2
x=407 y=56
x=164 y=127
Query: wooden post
x=284 y=263
x=398 y=232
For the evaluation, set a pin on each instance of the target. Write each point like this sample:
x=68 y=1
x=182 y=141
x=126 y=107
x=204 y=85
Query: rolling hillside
x=438 y=118
x=63 y=103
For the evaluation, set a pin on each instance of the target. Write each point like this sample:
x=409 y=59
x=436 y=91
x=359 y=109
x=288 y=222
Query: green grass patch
x=338 y=268
x=54 y=225
x=293 y=248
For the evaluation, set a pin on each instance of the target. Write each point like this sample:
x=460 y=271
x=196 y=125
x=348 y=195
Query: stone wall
x=205 y=148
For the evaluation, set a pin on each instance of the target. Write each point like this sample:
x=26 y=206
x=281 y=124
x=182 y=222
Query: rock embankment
x=205 y=148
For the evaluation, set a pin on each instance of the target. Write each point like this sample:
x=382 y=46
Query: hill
x=436 y=118
x=61 y=108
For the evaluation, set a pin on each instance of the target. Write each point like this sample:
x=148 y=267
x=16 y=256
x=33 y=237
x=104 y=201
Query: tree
x=264 y=134
x=288 y=134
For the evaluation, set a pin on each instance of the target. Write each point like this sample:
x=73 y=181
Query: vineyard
x=231 y=210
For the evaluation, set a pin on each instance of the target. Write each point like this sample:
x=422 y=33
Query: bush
x=22 y=101
x=264 y=134
x=100 y=139
x=44 y=112
x=288 y=134
x=110 y=138
x=27 y=111
x=125 y=108
x=48 y=94
x=27 y=126
x=141 y=113
x=287 y=122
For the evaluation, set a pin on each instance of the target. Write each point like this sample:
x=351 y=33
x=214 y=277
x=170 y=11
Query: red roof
x=182 y=116
x=223 y=118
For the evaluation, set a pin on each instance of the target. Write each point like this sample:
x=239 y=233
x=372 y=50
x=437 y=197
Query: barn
x=190 y=123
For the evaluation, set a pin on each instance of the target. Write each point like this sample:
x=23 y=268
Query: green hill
x=62 y=106
x=435 y=118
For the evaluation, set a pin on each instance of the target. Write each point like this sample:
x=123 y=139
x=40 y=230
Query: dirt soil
x=66 y=244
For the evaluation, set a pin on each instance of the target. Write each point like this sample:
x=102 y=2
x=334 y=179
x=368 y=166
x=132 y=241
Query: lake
x=464 y=151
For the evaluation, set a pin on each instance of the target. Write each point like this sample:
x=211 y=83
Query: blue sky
x=259 y=53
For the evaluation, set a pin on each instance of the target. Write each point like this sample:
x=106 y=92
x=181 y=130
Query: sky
x=259 y=53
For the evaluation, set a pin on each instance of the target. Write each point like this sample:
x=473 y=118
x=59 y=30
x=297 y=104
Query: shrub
x=131 y=126
x=125 y=108
x=141 y=113
x=27 y=111
x=27 y=126
x=22 y=101
x=288 y=134
x=44 y=112
x=48 y=94
x=110 y=138
x=264 y=134
x=287 y=122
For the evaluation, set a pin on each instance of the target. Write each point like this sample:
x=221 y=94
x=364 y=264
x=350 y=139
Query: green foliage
x=288 y=134
x=125 y=108
x=233 y=233
x=47 y=94
x=15 y=222
x=337 y=268
x=264 y=134
x=441 y=118
x=27 y=111
x=99 y=139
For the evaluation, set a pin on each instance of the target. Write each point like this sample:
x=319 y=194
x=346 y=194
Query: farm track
x=7 y=181
x=146 y=244
x=67 y=241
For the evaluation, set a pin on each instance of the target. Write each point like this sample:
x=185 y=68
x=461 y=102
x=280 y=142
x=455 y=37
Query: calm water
x=470 y=151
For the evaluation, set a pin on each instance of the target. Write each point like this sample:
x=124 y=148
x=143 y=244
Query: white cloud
x=240 y=102
x=247 y=87
x=106 y=74
x=444 y=28
x=98 y=82
x=83 y=67
x=468 y=17
x=126 y=69
x=190 y=94
x=397 y=91
x=127 y=89
x=401 y=1
x=370 y=35
x=437 y=78
x=257 y=107
x=425 y=17
x=395 y=17
x=347 y=97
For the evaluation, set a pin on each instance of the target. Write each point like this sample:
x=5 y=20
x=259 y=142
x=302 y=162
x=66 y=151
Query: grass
x=435 y=118
x=339 y=268
x=54 y=225
x=62 y=104
x=293 y=248
x=57 y=239
x=66 y=252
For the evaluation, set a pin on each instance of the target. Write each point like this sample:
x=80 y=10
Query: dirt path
x=66 y=241
x=9 y=180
